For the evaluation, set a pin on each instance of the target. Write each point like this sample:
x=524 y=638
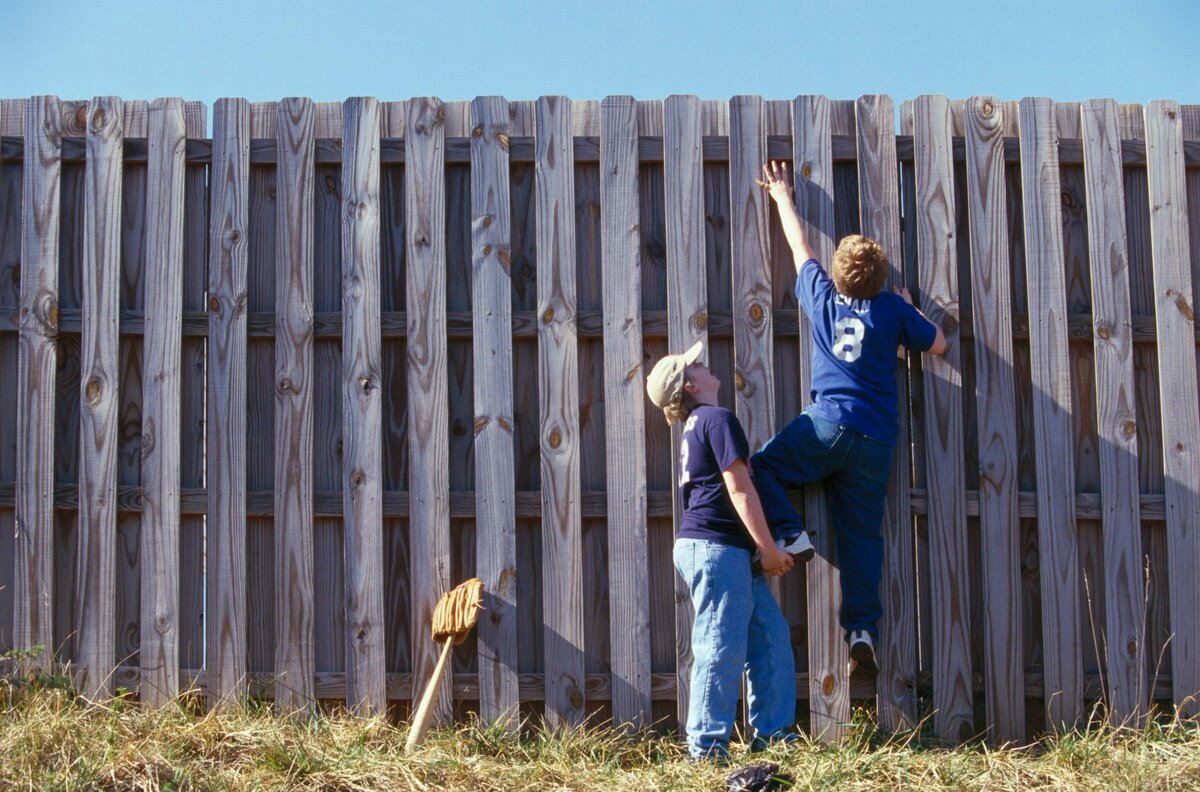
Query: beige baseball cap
x=666 y=379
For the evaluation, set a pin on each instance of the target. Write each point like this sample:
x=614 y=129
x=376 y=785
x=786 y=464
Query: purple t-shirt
x=712 y=440
x=854 y=352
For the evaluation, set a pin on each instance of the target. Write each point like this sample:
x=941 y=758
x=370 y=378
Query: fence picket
x=158 y=651
x=879 y=218
x=1115 y=412
x=34 y=579
x=996 y=418
x=495 y=512
x=191 y=417
x=226 y=420
x=558 y=401
x=828 y=688
x=1046 y=286
x=753 y=379
x=953 y=717
x=625 y=438
x=362 y=463
x=1180 y=440
x=293 y=469
x=687 y=313
x=95 y=592
x=429 y=515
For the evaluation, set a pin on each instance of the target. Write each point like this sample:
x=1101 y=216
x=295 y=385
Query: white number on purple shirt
x=848 y=336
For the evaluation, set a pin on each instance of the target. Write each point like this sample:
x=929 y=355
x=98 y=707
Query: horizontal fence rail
x=266 y=392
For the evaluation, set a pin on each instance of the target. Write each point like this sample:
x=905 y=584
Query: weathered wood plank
x=226 y=420
x=1058 y=549
x=158 y=649
x=495 y=487
x=625 y=435
x=293 y=468
x=34 y=576
x=261 y=285
x=425 y=260
x=879 y=218
x=329 y=576
x=1180 y=440
x=328 y=503
x=10 y=218
x=191 y=420
x=361 y=407
x=558 y=401
x=95 y=578
x=1116 y=412
x=136 y=116
x=828 y=694
x=953 y=717
x=687 y=311
x=753 y=380
x=996 y=418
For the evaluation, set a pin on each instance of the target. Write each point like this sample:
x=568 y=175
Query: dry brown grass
x=50 y=740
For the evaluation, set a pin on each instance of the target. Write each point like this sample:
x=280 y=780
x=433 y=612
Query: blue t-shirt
x=712 y=440
x=854 y=352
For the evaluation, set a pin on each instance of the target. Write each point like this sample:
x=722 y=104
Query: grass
x=49 y=739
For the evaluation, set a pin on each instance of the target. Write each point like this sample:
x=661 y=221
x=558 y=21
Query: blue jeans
x=855 y=470
x=738 y=626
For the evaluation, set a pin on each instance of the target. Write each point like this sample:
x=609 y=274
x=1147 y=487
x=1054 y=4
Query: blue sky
x=1132 y=51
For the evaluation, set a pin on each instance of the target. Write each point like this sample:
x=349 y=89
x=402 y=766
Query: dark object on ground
x=758 y=778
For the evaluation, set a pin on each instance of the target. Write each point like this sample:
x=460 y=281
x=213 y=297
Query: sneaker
x=862 y=654
x=800 y=547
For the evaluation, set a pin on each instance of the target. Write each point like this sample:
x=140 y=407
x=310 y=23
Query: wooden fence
x=267 y=394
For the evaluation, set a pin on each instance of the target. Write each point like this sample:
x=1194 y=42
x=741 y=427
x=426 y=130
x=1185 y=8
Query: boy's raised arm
x=778 y=184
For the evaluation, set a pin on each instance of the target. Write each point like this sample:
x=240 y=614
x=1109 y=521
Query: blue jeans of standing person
x=738 y=626
x=855 y=470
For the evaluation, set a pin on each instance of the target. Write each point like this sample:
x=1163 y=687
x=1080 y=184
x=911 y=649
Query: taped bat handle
x=421 y=722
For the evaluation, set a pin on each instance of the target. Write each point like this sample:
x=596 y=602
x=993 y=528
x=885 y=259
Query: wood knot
x=502 y=138
x=987 y=109
x=505 y=425
x=548 y=316
x=1179 y=447
x=366 y=384
x=1068 y=200
x=555 y=438
x=93 y=391
x=235 y=235
x=98 y=120
x=806 y=171
x=477 y=131
x=214 y=304
x=756 y=312
x=1185 y=309
x=487 y=250
x=480 y=423
x=357 y=478
x=1129 y=427
x=505 y=261
x=1131 y=647
x=576 y=698
x=702 y=320
x=1102 y=331
x=828 y=684
x=487 y=220
x=148 y=443
x=80 y=116
x=632 y=372
x=739 y=382
x=1171 y=114
x=285 y=385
